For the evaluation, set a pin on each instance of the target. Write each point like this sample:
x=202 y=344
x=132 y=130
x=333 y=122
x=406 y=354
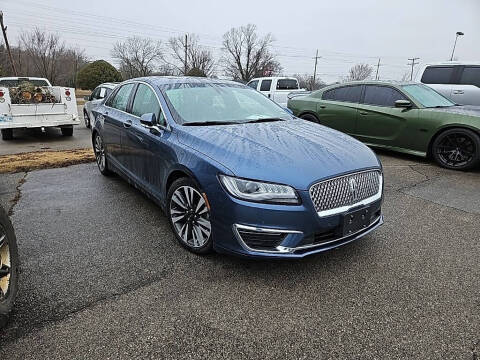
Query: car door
x=439 y=78
x=115 y=119
x=265 y=87
x=97 y=97
x=147 y=148
x=466 y=88
x=338 y=108
x=379 y=122
x=92 y=98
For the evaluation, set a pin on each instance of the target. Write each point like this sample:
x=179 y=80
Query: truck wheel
x=7 y=134
x=8 y=267
x=67 y=131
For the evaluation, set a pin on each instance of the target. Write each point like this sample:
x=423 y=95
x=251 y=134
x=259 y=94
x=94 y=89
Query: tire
x=189 y=216
x=457 y=149
x=100 y=155
x=86 y=118
x=67 y=131
x=9 y=267
x=310 y=117
x=7 y=134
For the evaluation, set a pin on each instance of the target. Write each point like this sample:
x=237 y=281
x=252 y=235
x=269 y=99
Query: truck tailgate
x=37 y=109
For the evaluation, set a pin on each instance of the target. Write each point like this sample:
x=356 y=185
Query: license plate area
x=355 y=221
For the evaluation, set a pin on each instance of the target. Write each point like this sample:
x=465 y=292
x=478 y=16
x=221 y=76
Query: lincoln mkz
x=235 y=172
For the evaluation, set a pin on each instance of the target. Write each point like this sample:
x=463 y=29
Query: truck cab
x=276 y=88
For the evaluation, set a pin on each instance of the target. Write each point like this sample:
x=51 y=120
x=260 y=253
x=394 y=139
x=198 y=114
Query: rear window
x=266 y=84
x=470 y=76
x=16 y=82
x=346 y=94
x=437 y=75
x=287 y=84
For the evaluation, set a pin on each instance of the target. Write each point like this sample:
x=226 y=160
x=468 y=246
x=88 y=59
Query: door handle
x=363 y=113
x=458 y=92
x=127 y=124
x=322 y=106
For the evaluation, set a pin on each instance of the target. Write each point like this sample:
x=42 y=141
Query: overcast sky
x=344 y=31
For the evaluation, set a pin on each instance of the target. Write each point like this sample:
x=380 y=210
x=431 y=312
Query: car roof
x=453 y=63
x=161 y=81
x=274 y=77
x=109 y=85
x=372 y=82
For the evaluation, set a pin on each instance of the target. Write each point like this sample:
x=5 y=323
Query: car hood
x=468 y=110
x=294 y=152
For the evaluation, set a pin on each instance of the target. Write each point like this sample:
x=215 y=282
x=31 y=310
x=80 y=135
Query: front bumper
x=294 y=231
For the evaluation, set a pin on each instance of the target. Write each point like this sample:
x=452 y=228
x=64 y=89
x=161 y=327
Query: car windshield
x=16 y=82
x=223 y=103
x=427 y=96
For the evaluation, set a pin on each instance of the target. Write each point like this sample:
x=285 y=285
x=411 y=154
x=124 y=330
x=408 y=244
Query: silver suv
x=98 y=94
x=458 y=81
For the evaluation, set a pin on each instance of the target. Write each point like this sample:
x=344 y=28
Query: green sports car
x=406 y=117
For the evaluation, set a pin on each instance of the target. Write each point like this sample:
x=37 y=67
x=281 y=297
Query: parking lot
x=103 y=277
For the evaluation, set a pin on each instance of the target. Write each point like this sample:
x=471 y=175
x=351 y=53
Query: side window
x=266 y=84
x=102 y=93
x=382 y=95
x=470 y=76
x=120 y=100
x=437 y=75
x=329 y=95
x=287 y=84
x=95 y=94
x=348 y=94
x=253 y=84
x=145 y=102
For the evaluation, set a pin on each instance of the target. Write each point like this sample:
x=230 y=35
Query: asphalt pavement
x=103 y=277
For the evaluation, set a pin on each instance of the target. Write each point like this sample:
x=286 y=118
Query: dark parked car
x=8 y=267
x=234 y=171
x=405 y=117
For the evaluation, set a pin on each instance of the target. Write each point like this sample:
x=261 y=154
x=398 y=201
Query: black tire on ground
x=7 y=301
x=457 y=149
x=99 y=151
x=67 y=131
x=207 y=247
x=87 y=119
x=310 y=117
x=7 y=134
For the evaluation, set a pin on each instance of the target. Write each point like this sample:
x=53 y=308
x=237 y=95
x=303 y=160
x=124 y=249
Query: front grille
x=261 y=240
x=345 y=190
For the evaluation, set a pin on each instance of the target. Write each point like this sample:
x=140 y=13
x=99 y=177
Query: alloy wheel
x=99 y=152
x=190 y=216
x=5 y=264
x=456 y=150
x=86 y=119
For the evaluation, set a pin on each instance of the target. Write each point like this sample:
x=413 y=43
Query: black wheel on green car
x=457 y=149
x=86 y=118
x=310 y=117
x=189 y=216
x=8 y=267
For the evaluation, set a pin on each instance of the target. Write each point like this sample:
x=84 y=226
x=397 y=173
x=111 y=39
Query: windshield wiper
x=263 y=120
x=206 y=123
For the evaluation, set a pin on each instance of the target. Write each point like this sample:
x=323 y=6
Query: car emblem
x=352 y=184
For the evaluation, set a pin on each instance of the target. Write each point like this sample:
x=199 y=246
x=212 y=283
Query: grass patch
x=44 y=160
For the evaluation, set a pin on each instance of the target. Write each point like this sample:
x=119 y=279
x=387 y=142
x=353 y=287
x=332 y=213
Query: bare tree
x=137 y=56
x=305 y=81
x=44 y=51
x=247 y=55
x=359 y=72
x=198 y=57
x=406 y=76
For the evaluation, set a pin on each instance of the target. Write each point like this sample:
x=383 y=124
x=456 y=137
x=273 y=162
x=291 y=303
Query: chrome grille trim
x=335 y=196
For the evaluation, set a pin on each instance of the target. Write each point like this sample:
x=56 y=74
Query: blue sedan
x=235 y=172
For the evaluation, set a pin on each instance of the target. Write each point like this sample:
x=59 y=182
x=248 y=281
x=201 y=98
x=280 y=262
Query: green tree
x=96 y=73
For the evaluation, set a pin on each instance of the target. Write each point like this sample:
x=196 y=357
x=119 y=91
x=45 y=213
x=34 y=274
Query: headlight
x=259 y=191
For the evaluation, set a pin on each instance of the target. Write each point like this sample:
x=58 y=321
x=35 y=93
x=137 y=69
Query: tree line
x=245 y=55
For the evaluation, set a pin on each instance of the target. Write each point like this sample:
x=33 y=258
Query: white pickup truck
x=28 y=102
x=276 y=88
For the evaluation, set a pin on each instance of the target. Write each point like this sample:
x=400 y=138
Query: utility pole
x=412 y=63
x=186 y=47
x=378 y=66
x=4 y=30
x=315 y=68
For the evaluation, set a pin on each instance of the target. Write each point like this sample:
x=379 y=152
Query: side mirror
x=288 y=110
x=86 y=98
x=148 y=119
x=403 y=104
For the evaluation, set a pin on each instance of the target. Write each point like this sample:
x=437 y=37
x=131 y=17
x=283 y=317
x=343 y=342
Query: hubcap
x=5 y=264
x=99 y=152
x=456 y=150
x=190 y=216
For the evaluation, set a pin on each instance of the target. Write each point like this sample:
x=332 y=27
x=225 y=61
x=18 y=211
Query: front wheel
x=457 y=149
x=8 y=267
x=310 y=117
x=189 y=216
x=100 y=154
x=86 y=118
